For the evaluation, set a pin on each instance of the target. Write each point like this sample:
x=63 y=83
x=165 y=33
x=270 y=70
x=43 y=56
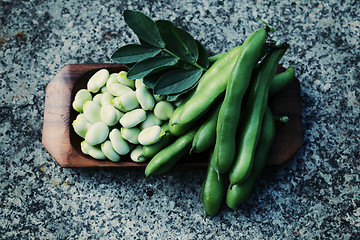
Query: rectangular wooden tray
x=63 y=144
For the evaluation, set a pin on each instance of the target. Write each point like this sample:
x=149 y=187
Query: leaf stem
x=195 y=64
x=169 y=52
x=198 y=66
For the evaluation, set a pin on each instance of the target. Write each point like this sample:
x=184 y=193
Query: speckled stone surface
x=316 y=195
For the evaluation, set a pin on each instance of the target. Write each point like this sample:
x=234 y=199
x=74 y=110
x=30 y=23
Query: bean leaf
x=177 y=81
x=134 y=53
x=178 y=41
x=151 y=79
x=203 y=59
x=143 y=27
x=143 y=68
x=177 y=96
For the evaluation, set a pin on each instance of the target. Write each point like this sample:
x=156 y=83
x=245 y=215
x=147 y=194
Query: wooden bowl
x=63 y=143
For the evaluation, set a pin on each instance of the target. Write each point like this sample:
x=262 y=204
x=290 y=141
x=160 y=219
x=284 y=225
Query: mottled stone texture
x=314 y=196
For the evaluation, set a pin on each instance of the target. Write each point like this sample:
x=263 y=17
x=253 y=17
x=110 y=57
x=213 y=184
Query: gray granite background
x=313 y=196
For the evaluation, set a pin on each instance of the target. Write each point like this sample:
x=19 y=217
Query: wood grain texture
x=63 y=144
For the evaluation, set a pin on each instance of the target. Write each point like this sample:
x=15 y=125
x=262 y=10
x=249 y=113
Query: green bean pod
x=238 y=193
x=216 y=57
x=206 y=134
x=211 y=85
x=164 y=160
x=175 y=128
x=229 y=114
x=213 y=190
x=153 y=149
x=254 y=113
x=281 y=80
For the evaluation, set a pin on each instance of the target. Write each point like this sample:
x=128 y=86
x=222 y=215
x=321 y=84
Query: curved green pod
x=164 y=160
x=229 y=114
x=253 y=116
x=213 y=190
x=281 y=80
x=211 y=85
x=238 y=193
x=206 y=134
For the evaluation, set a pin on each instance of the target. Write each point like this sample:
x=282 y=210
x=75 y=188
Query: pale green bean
x=98 y=80
x=97 y=133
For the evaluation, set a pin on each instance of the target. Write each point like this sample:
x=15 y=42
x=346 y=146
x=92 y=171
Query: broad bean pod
x=164 y=160
x=213 y=190
x=206 y=134
x=238 y=193
x=254 y=113
x=211 y=85
x=175 y=128
x=237 y=85
x=281 y=80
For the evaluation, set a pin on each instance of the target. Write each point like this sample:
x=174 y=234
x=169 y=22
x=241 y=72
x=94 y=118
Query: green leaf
x=134 y=53
x=179 y=42
x=177 y=81
x=143 y=68
x=151 y=79
x=177 y=96
x=143 y=27
x=203 y=59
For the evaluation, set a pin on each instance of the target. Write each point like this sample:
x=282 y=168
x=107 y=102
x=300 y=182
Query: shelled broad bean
x=116 y=117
